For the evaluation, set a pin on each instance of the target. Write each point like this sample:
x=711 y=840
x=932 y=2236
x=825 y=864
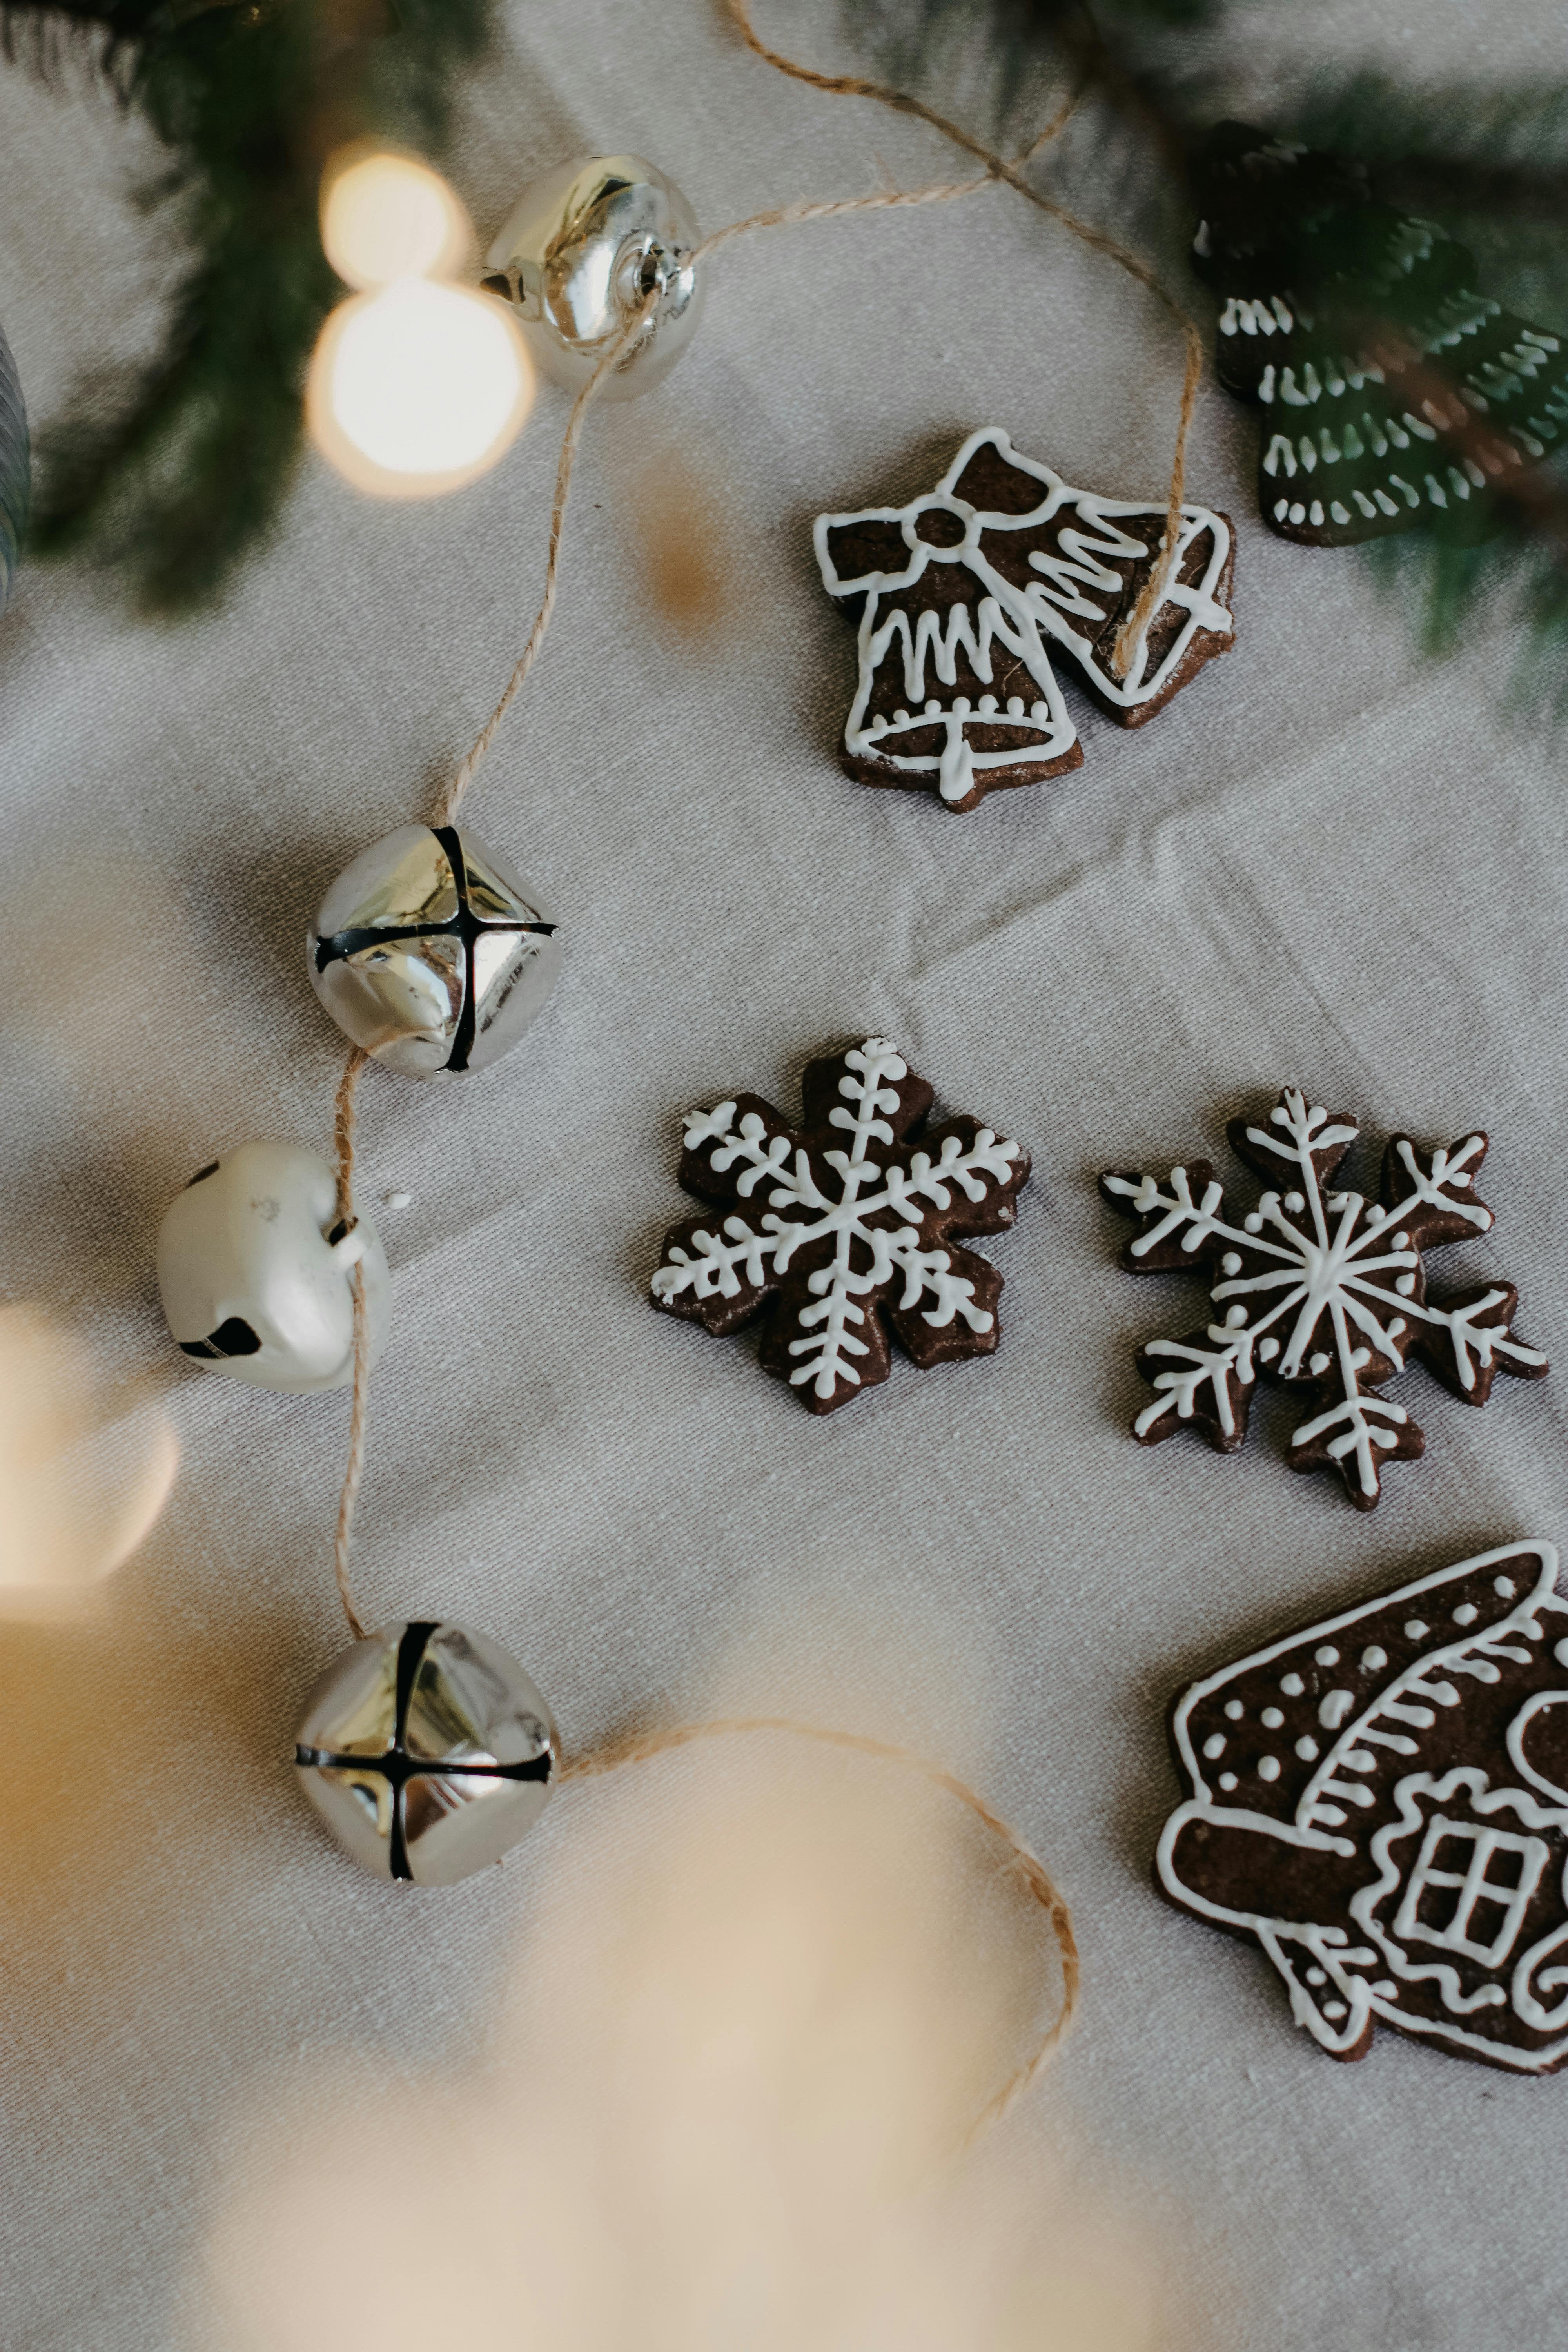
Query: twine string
x=451 y=800
x=1130 y=636
x=1030 y=1872
x=344 y=1138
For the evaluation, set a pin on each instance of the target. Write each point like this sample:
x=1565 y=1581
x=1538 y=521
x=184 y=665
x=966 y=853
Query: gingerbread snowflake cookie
x=962 y=595
x=1381 y=1801
x=1320 y=1288
x=843 y=1227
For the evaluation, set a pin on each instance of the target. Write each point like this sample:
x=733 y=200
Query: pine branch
x=187 y=475
x=1448 y=151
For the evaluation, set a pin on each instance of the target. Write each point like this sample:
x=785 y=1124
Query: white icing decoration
x=1307 y=1748
x=1234 y=1709
x=1334 y=1708
x=1373 y=1659
x=1214 y=1746
x=1292 y=1686
x=1326 y=1656
x=1466 y=1613
x=1269 y=1767
x=1227 y=1781
x=1271 y=1719
x=1414 y=1630
x=801 y=1210
x=1453 y=1865
x=1079 y=584
x=1323 y=1269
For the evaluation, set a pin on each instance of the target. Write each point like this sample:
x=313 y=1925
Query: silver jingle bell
x=256 y=1271
x=431 y=953
x=581 y=249
x=427 y=1751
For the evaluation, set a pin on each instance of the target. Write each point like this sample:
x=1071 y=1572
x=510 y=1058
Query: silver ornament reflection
x=431 y=953
x=582 y=248
x=256 y=1271
x=15 y=470
x=427 y=1751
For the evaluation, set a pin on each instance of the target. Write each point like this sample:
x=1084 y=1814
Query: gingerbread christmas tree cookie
x=844 y=1228
x=1380 y=1802
x=964 y=596
x=1319 y=1287
x=1394 y=392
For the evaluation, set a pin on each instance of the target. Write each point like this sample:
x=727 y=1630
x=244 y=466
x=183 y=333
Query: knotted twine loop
x=1026 y=1866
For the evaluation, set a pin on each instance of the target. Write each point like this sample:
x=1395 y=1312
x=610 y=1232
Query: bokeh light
x=80 y=1485
x=760 y=1995
x=386 y=216
x=417 y=385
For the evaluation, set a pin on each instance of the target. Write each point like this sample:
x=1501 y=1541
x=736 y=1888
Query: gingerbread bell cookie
x=1381 y=1801
x=844 y=1228
x=963 y=594
x=1320 y=1288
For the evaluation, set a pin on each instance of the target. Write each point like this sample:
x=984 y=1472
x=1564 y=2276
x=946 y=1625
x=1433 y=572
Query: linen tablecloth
x=1330 y=861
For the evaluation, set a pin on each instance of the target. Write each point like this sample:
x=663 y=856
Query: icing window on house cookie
x=1470 y=1888
x=1407 y=1862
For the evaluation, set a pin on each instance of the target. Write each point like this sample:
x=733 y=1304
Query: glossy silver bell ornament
x=256 y=1271
x=431 y=953
x=427 y=1751
x=582 y=248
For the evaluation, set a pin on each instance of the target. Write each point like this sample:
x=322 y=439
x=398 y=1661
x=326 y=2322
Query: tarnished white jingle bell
x=256 y=1271
x=581 y=249
x=427 y=1751
x=431 y=953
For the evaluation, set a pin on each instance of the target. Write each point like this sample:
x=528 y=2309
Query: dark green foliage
x=175 y=480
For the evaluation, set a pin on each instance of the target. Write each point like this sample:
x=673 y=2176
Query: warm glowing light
x=418 y=388
x=386 y=216
x=761 y=1997
x=79 y=1488
x=416 y=385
